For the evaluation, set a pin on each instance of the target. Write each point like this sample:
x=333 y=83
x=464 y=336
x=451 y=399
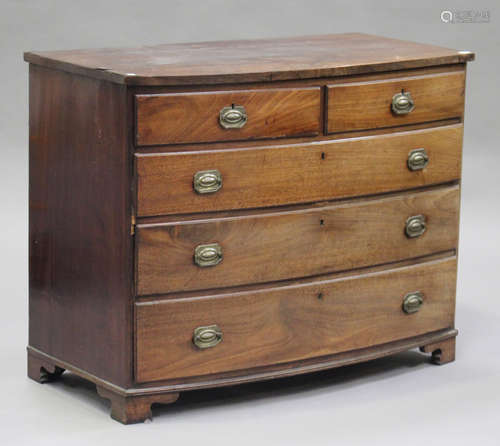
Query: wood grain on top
x=249 y=60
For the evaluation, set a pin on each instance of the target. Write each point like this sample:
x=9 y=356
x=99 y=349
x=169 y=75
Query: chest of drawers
x=210 y=214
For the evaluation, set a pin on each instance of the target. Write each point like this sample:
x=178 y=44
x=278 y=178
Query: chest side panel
x=80 y=245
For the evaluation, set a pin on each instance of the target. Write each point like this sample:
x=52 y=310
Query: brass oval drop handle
x=402 y=103
x=417 y=159
x=208 y=336
x=207 y=181
x=208 y=255
x=412 y=302
x=415 y=226
x=233 y=117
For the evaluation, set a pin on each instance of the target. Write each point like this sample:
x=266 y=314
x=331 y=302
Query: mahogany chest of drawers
x=217 y=213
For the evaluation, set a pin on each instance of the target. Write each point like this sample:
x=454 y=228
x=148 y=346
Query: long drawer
x=202 y=336
x=176 y=183
x=395 y=102
x=264 y=247
x=175 y=118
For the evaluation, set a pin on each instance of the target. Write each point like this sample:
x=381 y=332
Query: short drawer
x=264 y=247
x=395 y=102
x=206 y=335
x=177 y=118
x=176 y=183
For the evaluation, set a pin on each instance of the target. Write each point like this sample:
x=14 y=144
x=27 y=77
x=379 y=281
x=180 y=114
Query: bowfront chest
x=217 y=213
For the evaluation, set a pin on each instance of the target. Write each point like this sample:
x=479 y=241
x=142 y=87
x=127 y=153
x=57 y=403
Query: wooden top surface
x=249 y=60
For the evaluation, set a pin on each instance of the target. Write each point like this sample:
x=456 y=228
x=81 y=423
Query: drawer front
x=300 y=173
x=369 y=105
x=283 y=324
x=178 y=118
x=257 y=248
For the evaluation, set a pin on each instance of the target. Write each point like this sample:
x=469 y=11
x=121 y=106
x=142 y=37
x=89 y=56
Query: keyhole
x=322 y=155
x=322 y=222
x=320 y=296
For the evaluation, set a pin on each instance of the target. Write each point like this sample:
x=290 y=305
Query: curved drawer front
x=283 y=324
x=177 y=118
x=374 y=104
x=299 y=173
x=257 y=248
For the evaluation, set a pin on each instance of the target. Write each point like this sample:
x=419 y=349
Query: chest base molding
x=133 y=405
